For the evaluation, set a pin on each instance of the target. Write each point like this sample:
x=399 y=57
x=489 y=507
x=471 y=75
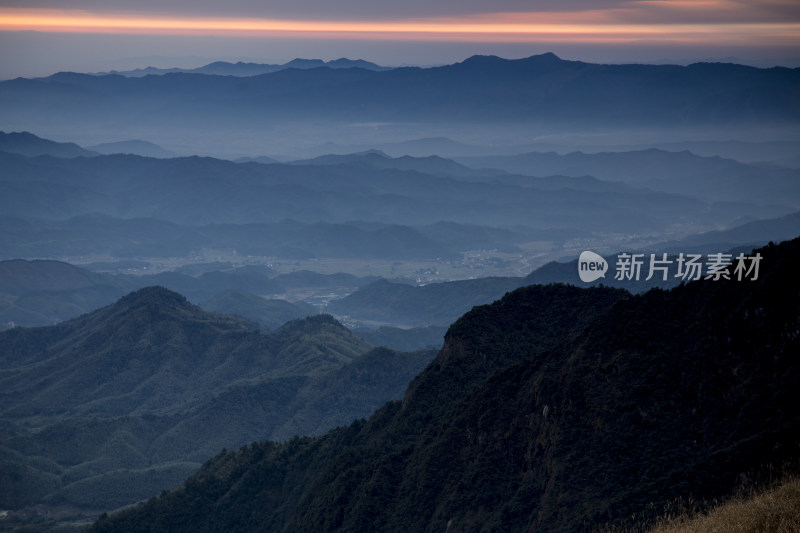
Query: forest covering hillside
x=116 y=405
x=553 y=409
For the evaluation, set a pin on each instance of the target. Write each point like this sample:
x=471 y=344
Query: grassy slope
x=776 y=510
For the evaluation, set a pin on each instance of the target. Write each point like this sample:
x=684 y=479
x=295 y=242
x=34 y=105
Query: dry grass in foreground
x=776 y=510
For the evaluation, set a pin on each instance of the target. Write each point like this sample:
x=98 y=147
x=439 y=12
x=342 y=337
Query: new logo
x=591 y=266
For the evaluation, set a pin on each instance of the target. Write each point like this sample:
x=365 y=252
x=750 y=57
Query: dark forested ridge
x=117 y=405
x=553 y=409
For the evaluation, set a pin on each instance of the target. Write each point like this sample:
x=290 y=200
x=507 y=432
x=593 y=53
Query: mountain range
x=192 y=313
x=34 y=293
x=200 y=191
x=674 y=172
x=44 y=292
x=553 y=409
x=121 y=403
x=483 y=96
x=27 y=144
x=136 y=147
x=242 y=69
x=367 y=205
x=543 y=88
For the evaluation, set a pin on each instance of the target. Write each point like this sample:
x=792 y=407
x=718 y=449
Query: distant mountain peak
x=478 y=58
x=311 y=323
x=133 y=146
x=246 y=69
x=373 y=153
x=154 y=294
x=30 y=145
x=547 y=57
x=305 y=63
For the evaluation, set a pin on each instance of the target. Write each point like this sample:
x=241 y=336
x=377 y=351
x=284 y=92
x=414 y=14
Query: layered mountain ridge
x=553 y=409
x=540 y=89
x=121 y=403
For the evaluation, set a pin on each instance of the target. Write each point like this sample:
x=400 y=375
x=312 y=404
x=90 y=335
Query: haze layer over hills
x=483 y=97
x=346 y=218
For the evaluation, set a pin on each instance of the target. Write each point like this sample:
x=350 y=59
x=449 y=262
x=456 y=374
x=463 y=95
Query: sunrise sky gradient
x=39 y=37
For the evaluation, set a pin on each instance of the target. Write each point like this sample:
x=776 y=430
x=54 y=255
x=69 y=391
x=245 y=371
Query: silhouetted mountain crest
x=134 y=146
x=545 y=57
x=310 y=324
x=30 y=145
x=516 y=69
x=305 y=63
x=243 y=69
x=548 y=58
x=547 y=313
x=154 y=296
x=541 y=89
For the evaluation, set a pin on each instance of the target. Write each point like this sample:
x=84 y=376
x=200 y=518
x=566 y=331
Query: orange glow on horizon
x=587 y=26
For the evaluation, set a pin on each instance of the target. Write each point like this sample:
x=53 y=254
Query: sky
x=40 y=37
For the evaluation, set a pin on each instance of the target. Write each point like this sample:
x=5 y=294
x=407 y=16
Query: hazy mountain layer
x=242 y=69
x=269 y=314
x=42 y=292
x=202 y=191
x=437 y=304
x=45 y=292
x=675 y=172
x=137 y=147
x=369 y=205
x=30 y=145
x=540 y=89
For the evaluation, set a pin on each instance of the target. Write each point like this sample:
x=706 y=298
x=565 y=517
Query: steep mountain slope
x=554 y=311
x=117 y=405
x=776 y=509
x=554 y=409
